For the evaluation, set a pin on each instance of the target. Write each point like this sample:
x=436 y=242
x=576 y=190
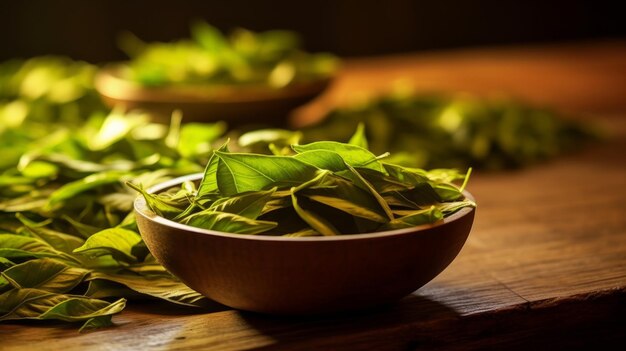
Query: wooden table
x=544 y=266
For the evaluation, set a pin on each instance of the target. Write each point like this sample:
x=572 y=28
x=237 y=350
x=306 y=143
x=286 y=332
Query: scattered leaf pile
x=69 y=246
x=272 y=59
x=432 y=131
x=47 y=89
x=325 y=188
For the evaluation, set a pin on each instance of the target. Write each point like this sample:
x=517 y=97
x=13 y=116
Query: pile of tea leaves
x=69 y=246
x=324 y=188
x=271 y=59
x=442 y=130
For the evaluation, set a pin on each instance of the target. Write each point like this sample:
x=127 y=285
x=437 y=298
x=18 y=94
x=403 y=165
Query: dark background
x=87 y=30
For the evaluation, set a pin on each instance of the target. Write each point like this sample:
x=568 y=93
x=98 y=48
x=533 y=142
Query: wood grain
x=544 y=266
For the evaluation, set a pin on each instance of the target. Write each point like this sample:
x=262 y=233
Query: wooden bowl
x=204 y=103
x=283 y=275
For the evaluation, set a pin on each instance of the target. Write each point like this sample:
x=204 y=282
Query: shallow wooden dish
x=302 y=275
x=204 y=103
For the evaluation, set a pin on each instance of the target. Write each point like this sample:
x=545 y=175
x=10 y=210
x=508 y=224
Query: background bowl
x=234 y=105
x=302 y=275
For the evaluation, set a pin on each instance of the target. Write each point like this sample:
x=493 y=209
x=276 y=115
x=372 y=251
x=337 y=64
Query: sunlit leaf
x=19 y=246
x=116 y=242
x=416 y=218
x=359 y=138
x=45 y=274
x=162 y=287
x=250 y=172
x=72 y=189
x=227 y=222
x=353 y=155
x=249 y=204
x=39 y=304
x=60 y=241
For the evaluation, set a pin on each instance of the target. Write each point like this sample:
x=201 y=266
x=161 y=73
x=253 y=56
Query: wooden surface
x=544 y=266
x=580 y=78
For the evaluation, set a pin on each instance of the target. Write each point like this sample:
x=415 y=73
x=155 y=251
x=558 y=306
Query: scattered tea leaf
x=116 y=242
x=39 y=304
x=161 y=287
x=45 y=274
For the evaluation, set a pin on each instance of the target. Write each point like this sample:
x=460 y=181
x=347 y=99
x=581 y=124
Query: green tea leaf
x=7 y=180
x=358 y=138
x=227 y=222
x=80 y=308
x=359 y=181
x=74 y=188
x=40 y=169
x=448 y=208
x=397 y=199
x=64 y=161
x=280 y=200
x=162 y=287
x=45 y=274
x=38 y=304
x=323 y=159
x=248 y=204
x=444 y=175
x=85 y=230
x=116 y=242
x=28 y=202
x=448 y=192
x=160 y=204
x=96 y=323
x=431 y=131
x=259 y=140
x=353 y=155
x=209 y=179
x=5 y=264
x=27 y=303
x=343 y=195
x=115 y=127
x=60 y=241
x=100 y=289
x=208 y=37
x=307 y=232
x=318 y=223
x=4 y=285
x=117 y=201
x=423 y=194
x=382 y=183
x=18 y=246
x=350 y=207
x=195 y=138
x=149 y=266
x=427 y=216
x=406 y=175
x=251 y=172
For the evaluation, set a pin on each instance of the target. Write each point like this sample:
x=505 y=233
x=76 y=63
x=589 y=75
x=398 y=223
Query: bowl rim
x=141 y=209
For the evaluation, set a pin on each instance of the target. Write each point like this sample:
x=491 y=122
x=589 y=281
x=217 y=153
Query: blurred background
x=87 y=30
